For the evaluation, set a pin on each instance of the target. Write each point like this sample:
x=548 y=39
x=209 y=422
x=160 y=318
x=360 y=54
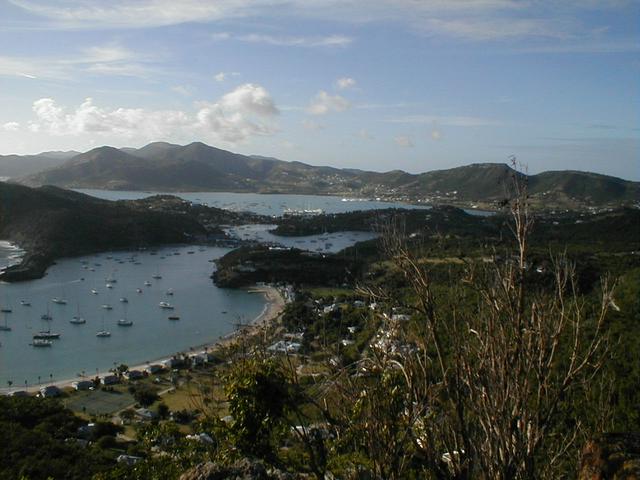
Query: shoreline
x=274 y=304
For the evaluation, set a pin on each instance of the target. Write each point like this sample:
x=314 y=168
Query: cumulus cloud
x=404 y=141
x=240 y=114
x=324 y=103
x=11 y=127
x=345 y=82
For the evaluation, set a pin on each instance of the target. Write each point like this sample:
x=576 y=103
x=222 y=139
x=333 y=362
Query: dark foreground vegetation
x=453 y=347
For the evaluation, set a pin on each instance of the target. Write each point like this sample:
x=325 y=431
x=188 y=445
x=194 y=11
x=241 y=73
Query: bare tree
x=483 y=387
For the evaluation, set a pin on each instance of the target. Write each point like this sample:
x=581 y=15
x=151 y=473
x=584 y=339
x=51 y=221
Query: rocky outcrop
x=611 y=456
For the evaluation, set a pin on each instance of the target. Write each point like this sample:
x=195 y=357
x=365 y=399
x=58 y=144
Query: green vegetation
x=34 y=436
x=248 y=265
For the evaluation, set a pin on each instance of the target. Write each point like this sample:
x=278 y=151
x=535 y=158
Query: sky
x=416 y=85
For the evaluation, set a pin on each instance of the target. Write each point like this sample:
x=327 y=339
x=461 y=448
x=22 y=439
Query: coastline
x=274 y=304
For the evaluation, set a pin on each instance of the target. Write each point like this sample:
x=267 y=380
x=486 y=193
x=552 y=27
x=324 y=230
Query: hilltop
x=163 y=166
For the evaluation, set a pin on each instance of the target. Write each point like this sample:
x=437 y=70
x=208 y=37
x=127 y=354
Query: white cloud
x=10 y=127
x=324 y=103
x=484 y=29
x=286 y=41
x=222 y=76
x=452 y=121
x=345 y=82
x=235 y=117
x=110 y=59
x=479 y=20
x=249 y=98
x=403 y=141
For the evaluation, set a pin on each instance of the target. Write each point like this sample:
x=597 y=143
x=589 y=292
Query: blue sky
x=379 y=84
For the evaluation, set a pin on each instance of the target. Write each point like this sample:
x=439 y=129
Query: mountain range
x=162 y=166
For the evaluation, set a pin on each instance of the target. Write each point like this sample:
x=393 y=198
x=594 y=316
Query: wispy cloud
x=451 y=121
x=110 y=59
x=222 y=76
x=287 y=41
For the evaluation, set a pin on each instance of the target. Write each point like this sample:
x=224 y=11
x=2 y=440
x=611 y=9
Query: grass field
x=98 y=402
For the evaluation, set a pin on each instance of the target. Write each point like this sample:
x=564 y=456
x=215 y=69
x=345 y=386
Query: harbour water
x=325 y=243
x=264 y=204
x=206 y=312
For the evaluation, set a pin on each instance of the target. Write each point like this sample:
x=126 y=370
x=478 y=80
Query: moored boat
x=46 y=334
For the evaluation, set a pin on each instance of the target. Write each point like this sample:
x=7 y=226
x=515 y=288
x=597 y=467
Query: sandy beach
x=274 y=305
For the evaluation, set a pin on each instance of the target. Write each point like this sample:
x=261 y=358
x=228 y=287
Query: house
x=146 y=414
x=155 y=368
x=198 y=359
x=83 y=385
x=285 y=347
x=19 y=393
x=134 y=374
x=128 y=459
x=50 y=391
x=110 y=380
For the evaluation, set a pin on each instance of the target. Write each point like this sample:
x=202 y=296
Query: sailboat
x=77 y=319
x=7 y=308
x=5 y=327
x=125 y=322
x=46 y=316
x=103 y=332
x=45 y=335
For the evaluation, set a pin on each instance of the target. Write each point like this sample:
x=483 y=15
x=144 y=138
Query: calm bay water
x=264 y=204
x=328 y=242
x=199 y=303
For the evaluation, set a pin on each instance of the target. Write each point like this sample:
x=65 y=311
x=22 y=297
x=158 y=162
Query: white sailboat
x=103 y=333
x=125 y=322
x=77 y=319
